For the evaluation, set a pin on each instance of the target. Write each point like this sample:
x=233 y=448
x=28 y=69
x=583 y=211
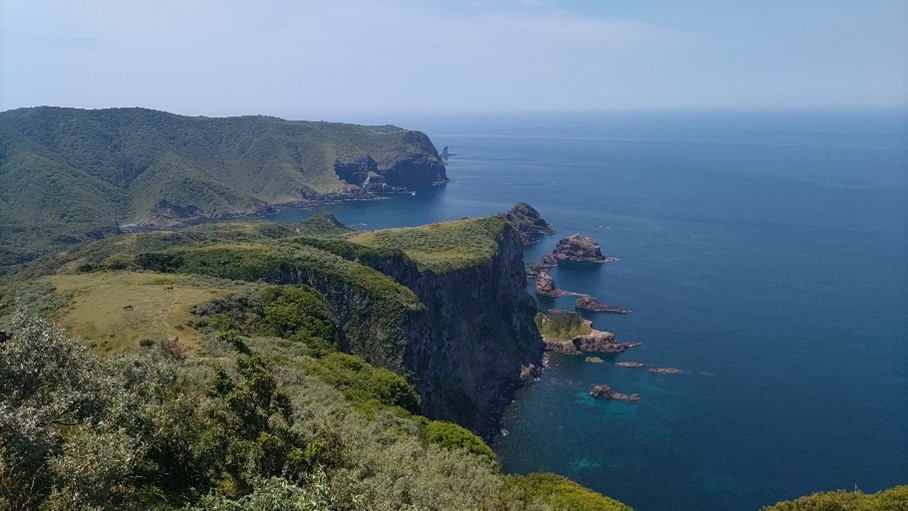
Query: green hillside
x=68 y=175
x=239 y=365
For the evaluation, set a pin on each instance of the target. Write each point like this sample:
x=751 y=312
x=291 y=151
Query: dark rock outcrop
x=545 y=286
x=581 y=249
x=606 y=392
x=418 y=169
x=597 y=341
x=527 y=222
x=366 y=178
x=547 y=261
x=587 y=302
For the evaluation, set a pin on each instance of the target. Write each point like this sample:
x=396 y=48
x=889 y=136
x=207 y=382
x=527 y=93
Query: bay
x=763 y=254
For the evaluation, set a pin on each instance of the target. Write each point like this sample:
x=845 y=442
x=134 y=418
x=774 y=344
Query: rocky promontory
x=606 y=392
x=580 y=249
x=527 y=222
x=589 y=303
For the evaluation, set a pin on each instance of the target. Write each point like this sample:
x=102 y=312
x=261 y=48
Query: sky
x=339 y=59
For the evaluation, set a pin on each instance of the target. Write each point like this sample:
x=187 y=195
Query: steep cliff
x=444 y=305
x=476 y=337
x=468 y=348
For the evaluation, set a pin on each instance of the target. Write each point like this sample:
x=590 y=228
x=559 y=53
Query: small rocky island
x=568 y=333
x=665 y=370
x=589 y=303
x=606 y=392
x=629 y=364
x=580 y=249
x=527 y=222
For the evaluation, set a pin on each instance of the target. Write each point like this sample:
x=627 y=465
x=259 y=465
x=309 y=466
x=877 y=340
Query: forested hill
x=68 y=174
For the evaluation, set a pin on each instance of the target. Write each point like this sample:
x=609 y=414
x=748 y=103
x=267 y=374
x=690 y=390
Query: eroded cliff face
x=419 y=167
x=467 y=351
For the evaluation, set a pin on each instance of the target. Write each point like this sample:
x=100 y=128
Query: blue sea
x=764 y=254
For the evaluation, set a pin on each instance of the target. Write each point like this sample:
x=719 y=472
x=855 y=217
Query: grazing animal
x=5 y=336
x=168 y=288
x=127 y=307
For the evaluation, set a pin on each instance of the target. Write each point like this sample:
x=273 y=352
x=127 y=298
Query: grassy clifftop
x=441 y=247
x=67 y=174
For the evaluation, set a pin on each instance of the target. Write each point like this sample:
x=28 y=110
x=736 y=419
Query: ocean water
x=766 y=255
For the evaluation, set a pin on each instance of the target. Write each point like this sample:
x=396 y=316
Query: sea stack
x=581 y=249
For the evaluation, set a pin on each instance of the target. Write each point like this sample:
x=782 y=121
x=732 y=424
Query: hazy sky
x=342 y=58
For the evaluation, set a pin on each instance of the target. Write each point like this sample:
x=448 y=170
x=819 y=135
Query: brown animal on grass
x=127 y=307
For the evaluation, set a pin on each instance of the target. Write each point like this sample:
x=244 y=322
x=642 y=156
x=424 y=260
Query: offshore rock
x=527 y=222
x=588 y=303
x=606 y=392
x=594 y=360
x=545 y=286
x=629 y=364
x=581 y=249
x=665 y=370
x=597 y=341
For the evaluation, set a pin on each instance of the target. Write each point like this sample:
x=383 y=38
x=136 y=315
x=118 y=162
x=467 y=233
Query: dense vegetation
x=68 y=175
x=441 y=247
x=256 y=422
x=893 y=499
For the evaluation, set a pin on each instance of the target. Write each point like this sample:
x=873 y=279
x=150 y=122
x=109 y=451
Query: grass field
x=443 y=246
x=96 y=311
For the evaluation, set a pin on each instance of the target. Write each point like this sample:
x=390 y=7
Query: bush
x=452 y=436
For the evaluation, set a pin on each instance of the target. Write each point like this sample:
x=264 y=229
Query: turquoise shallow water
x=765 y=255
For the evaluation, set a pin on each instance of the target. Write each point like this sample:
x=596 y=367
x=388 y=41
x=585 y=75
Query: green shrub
x=560 y=493
x=452 y=436
x=893 y=499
